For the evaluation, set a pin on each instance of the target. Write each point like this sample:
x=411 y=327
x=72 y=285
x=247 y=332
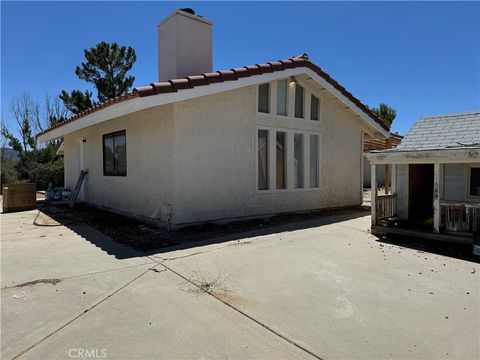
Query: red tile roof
x=189 y=82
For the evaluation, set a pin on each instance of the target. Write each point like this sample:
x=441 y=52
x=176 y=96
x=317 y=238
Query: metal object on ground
x=78 y=186
x=19 y=197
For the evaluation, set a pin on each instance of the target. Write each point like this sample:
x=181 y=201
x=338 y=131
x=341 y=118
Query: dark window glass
x=314 y=108
x=475 y=182
x=298 y=101
x=264 y=98
x=298 y=161
x=313 y=161
x=262 y=159
x=115 y=154
x=281 y=160
x=282 y=91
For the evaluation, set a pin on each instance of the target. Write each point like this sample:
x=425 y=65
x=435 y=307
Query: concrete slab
x=31 y=313
x=30 y=252
x=324 y=288
x=344 y=295
x=156 y=317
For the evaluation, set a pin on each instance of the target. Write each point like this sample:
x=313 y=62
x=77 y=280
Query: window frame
x=317 y=185
x=257 y=164
x=289 y=132
x=313 y=95
x=287 y=97
x=269 y=102
x=304 y=91
x=469 y=181
x=113 y=135
x=300 y=184
x=285 y=159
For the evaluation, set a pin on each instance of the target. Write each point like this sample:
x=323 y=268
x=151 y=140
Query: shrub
x=45 y=173
x=9 y=174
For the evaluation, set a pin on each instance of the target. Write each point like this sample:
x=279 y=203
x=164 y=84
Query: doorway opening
x=420 y=194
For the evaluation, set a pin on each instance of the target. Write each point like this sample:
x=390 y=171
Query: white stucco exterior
x=195 y=160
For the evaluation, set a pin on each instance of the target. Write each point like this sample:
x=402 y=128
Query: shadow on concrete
x=126 y=238
x=453 y=250
x=263 y=231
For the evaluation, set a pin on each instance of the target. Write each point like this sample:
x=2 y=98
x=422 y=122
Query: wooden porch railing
x=460 y=217
x=386 y=206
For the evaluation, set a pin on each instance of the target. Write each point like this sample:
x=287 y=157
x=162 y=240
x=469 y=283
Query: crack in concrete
x=250 y=317
x=56 y=280
x=83 y=313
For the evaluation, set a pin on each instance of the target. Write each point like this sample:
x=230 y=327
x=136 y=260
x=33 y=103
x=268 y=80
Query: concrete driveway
x=323 y=289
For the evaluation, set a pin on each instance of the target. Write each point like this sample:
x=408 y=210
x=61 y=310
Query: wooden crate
x=19 y=197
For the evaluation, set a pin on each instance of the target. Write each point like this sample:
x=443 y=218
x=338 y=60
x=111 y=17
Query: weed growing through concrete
x=202 y=282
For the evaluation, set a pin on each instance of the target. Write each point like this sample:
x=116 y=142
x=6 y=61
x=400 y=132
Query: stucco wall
x=148 y=186
x=198 y=158
x=215 y=163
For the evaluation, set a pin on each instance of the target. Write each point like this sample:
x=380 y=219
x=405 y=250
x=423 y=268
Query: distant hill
x=9 y=154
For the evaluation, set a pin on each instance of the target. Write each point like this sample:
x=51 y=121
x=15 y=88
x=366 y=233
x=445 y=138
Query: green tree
x=106 y=67
x=386 y=113
x=77 y=101
x=35 y=163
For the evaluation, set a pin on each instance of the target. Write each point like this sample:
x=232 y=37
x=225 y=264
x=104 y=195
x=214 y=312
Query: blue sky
x=420 y=58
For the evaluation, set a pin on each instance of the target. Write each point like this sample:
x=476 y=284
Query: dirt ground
x=146 y=237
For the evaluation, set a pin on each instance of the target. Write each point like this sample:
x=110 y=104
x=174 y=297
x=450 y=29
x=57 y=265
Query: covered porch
x=434 y=194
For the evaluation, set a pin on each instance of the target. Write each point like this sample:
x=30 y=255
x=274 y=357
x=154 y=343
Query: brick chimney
x=184 y=45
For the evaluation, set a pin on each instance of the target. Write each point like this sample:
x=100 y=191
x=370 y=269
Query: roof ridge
x=456 y=114
x=192 y=81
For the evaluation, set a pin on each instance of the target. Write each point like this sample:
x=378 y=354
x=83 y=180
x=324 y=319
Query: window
x=314 y=108
x=474 y=181
x=282 y=97
x=313 y=161
x=281 y=160
x=115 y=154
x=298 y=160
x=264 y=98
x=262 y=159
x=298 y=101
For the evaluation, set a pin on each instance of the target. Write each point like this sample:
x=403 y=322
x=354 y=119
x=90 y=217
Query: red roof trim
x=220 y=76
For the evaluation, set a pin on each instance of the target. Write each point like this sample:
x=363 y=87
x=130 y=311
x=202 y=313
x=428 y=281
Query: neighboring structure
x=379 y=144
x=435 y=182
x=248 y=142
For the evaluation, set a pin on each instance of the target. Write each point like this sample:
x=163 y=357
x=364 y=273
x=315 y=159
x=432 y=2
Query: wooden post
x=386 y=172
x=394 y=178
x=437 y=195
x=374 y=193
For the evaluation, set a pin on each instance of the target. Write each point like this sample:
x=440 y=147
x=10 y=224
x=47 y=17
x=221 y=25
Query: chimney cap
x=188 y=10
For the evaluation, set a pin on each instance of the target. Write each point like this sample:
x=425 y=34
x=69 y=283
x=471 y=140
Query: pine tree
x=106 y=67
x=386 y=113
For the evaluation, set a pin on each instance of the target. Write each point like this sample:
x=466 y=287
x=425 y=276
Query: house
x=213 y=146
x=435 y=180
x=379 y=144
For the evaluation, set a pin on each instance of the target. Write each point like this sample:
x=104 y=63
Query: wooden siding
x=454 y=182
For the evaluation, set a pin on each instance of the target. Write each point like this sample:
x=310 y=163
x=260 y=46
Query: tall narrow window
x=281 y=160
x=115 y=154
x=313 y=161
x=474 y=181
x=282 y=97
x=314 y=108
x=298 y=160
x=264 y=98
x=262 y=159
x=299 y=101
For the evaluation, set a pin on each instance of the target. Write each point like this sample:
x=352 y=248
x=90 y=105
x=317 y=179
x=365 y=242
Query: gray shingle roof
x=443 y=132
